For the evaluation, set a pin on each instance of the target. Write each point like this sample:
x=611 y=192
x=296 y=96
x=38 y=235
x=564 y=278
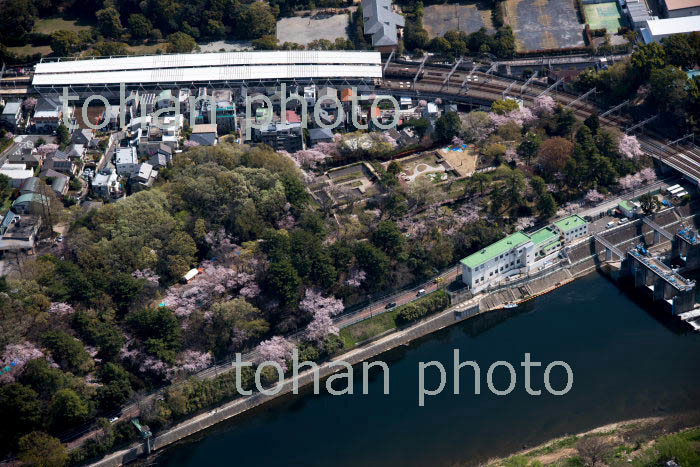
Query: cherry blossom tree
x=16 y=357
x=648 y=174
x=322 y=309
x=521 y=117
x=193 y=361
x=457 y=141
x=9 y=135
x=422 y=103
x=277 y=349
x=148 y=275
x=61 y=309
x=543 y=105
x=356 y=278
x=191 y=144
x=630 y=147
x=593 y=196
x=391 y=141
x=213 y=282
x=629 y=182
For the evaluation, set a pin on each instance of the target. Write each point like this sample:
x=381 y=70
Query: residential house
x=281 y=137
x=320 y=135
x=17 y=173
x=84 y=137
x=59 y=182
x=48 y=114
x=18 y=232
x=126 y=161
x=11 y=116
x=204 y=135
x=60 y=162
x=162 y=158
x=382 y=23
x=25 y=153
x=30 y=203
x=106 y=184
x=30 y=185
x=143 y=178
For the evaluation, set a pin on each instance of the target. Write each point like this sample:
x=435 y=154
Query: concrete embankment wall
x=355 y=356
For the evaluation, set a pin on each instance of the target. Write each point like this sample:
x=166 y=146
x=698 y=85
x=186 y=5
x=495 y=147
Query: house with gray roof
x=382 y=23
x=11 y=115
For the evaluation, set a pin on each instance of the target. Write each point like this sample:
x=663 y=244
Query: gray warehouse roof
x=381 y=22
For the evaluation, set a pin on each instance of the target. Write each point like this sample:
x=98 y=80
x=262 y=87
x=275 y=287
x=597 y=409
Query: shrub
x=430 y=304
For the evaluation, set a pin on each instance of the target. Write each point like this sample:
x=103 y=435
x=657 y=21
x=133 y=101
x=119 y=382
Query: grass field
x=51 y=25
x=604 y=16
x=368 y=328
x=31 y=50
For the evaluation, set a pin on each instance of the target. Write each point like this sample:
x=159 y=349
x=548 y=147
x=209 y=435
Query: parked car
x=421 y=292
x=390 y=305
x=610 y=224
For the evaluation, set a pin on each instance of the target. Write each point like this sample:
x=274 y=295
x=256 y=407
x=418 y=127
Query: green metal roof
x=543 y=235
x=502 y=246
x=626 y=205
x=570 y=223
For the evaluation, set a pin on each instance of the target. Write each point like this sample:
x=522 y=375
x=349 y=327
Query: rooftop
x=570 y=223
x=205 y=67
x=502 y=246
x=626 y=205
x=381 y=22
x=543 y=235
x=680 y=4
x=663 y=27
x=11 y=108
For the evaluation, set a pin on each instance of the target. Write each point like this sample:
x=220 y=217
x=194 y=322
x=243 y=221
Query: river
x=627 y=360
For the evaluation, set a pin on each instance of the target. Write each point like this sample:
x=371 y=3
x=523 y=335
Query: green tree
x=257 y=20
x=109 y=22
x=553 y=155
x=389 y=238
x=233 y=323
x=22 y=406
x=179 y=42
x=67 y=409
x=38 y=449
x=17 y=18
x=669 y=88
x=529 y=146
x=65 y=43
x=646 y=58
x=267 y=42
x=110 y=48
x=546 y=205
x=448 y=126
x=43 y=378
x=68 y=352
x=284 y=281
x=592 y=122
x=648 y=203
x=504 y=106
x=160 y=331
x=140 y=26
x=63 y=135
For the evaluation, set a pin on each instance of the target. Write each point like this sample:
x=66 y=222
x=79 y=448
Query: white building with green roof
x=572 y=227
x=519 y=253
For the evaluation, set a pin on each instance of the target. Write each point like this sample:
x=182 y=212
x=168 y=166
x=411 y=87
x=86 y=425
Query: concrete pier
x=664 y=283
x=686 y=247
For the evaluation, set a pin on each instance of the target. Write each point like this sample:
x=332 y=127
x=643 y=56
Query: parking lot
x=303 y=30
x=438 y=19
x=544 y=24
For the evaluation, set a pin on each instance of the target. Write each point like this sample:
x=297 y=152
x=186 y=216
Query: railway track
x=490 y=87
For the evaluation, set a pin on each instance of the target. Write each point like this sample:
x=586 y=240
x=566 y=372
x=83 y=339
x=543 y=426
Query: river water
x=627 y=360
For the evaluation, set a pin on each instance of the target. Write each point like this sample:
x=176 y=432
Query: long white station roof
x=210 y=67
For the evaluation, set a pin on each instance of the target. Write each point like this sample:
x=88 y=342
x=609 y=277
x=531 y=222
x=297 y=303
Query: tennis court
x=603 y=16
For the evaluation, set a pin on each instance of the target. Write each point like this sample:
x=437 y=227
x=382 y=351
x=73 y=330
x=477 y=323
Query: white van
x=610 y=224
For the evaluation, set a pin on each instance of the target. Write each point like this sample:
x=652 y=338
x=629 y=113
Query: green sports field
x=603 y=16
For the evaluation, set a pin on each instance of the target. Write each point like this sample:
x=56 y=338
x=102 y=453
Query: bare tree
x=593 y=450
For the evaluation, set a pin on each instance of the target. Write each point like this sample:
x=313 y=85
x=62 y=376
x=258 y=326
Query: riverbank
x=582 y=260
x=637 y=442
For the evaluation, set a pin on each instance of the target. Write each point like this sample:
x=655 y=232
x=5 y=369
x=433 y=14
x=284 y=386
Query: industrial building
x=656 y=29
x=679 y=8
x=520 y=253
x=103 y=76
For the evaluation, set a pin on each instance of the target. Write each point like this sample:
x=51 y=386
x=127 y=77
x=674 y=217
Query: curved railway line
x=490 y=88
